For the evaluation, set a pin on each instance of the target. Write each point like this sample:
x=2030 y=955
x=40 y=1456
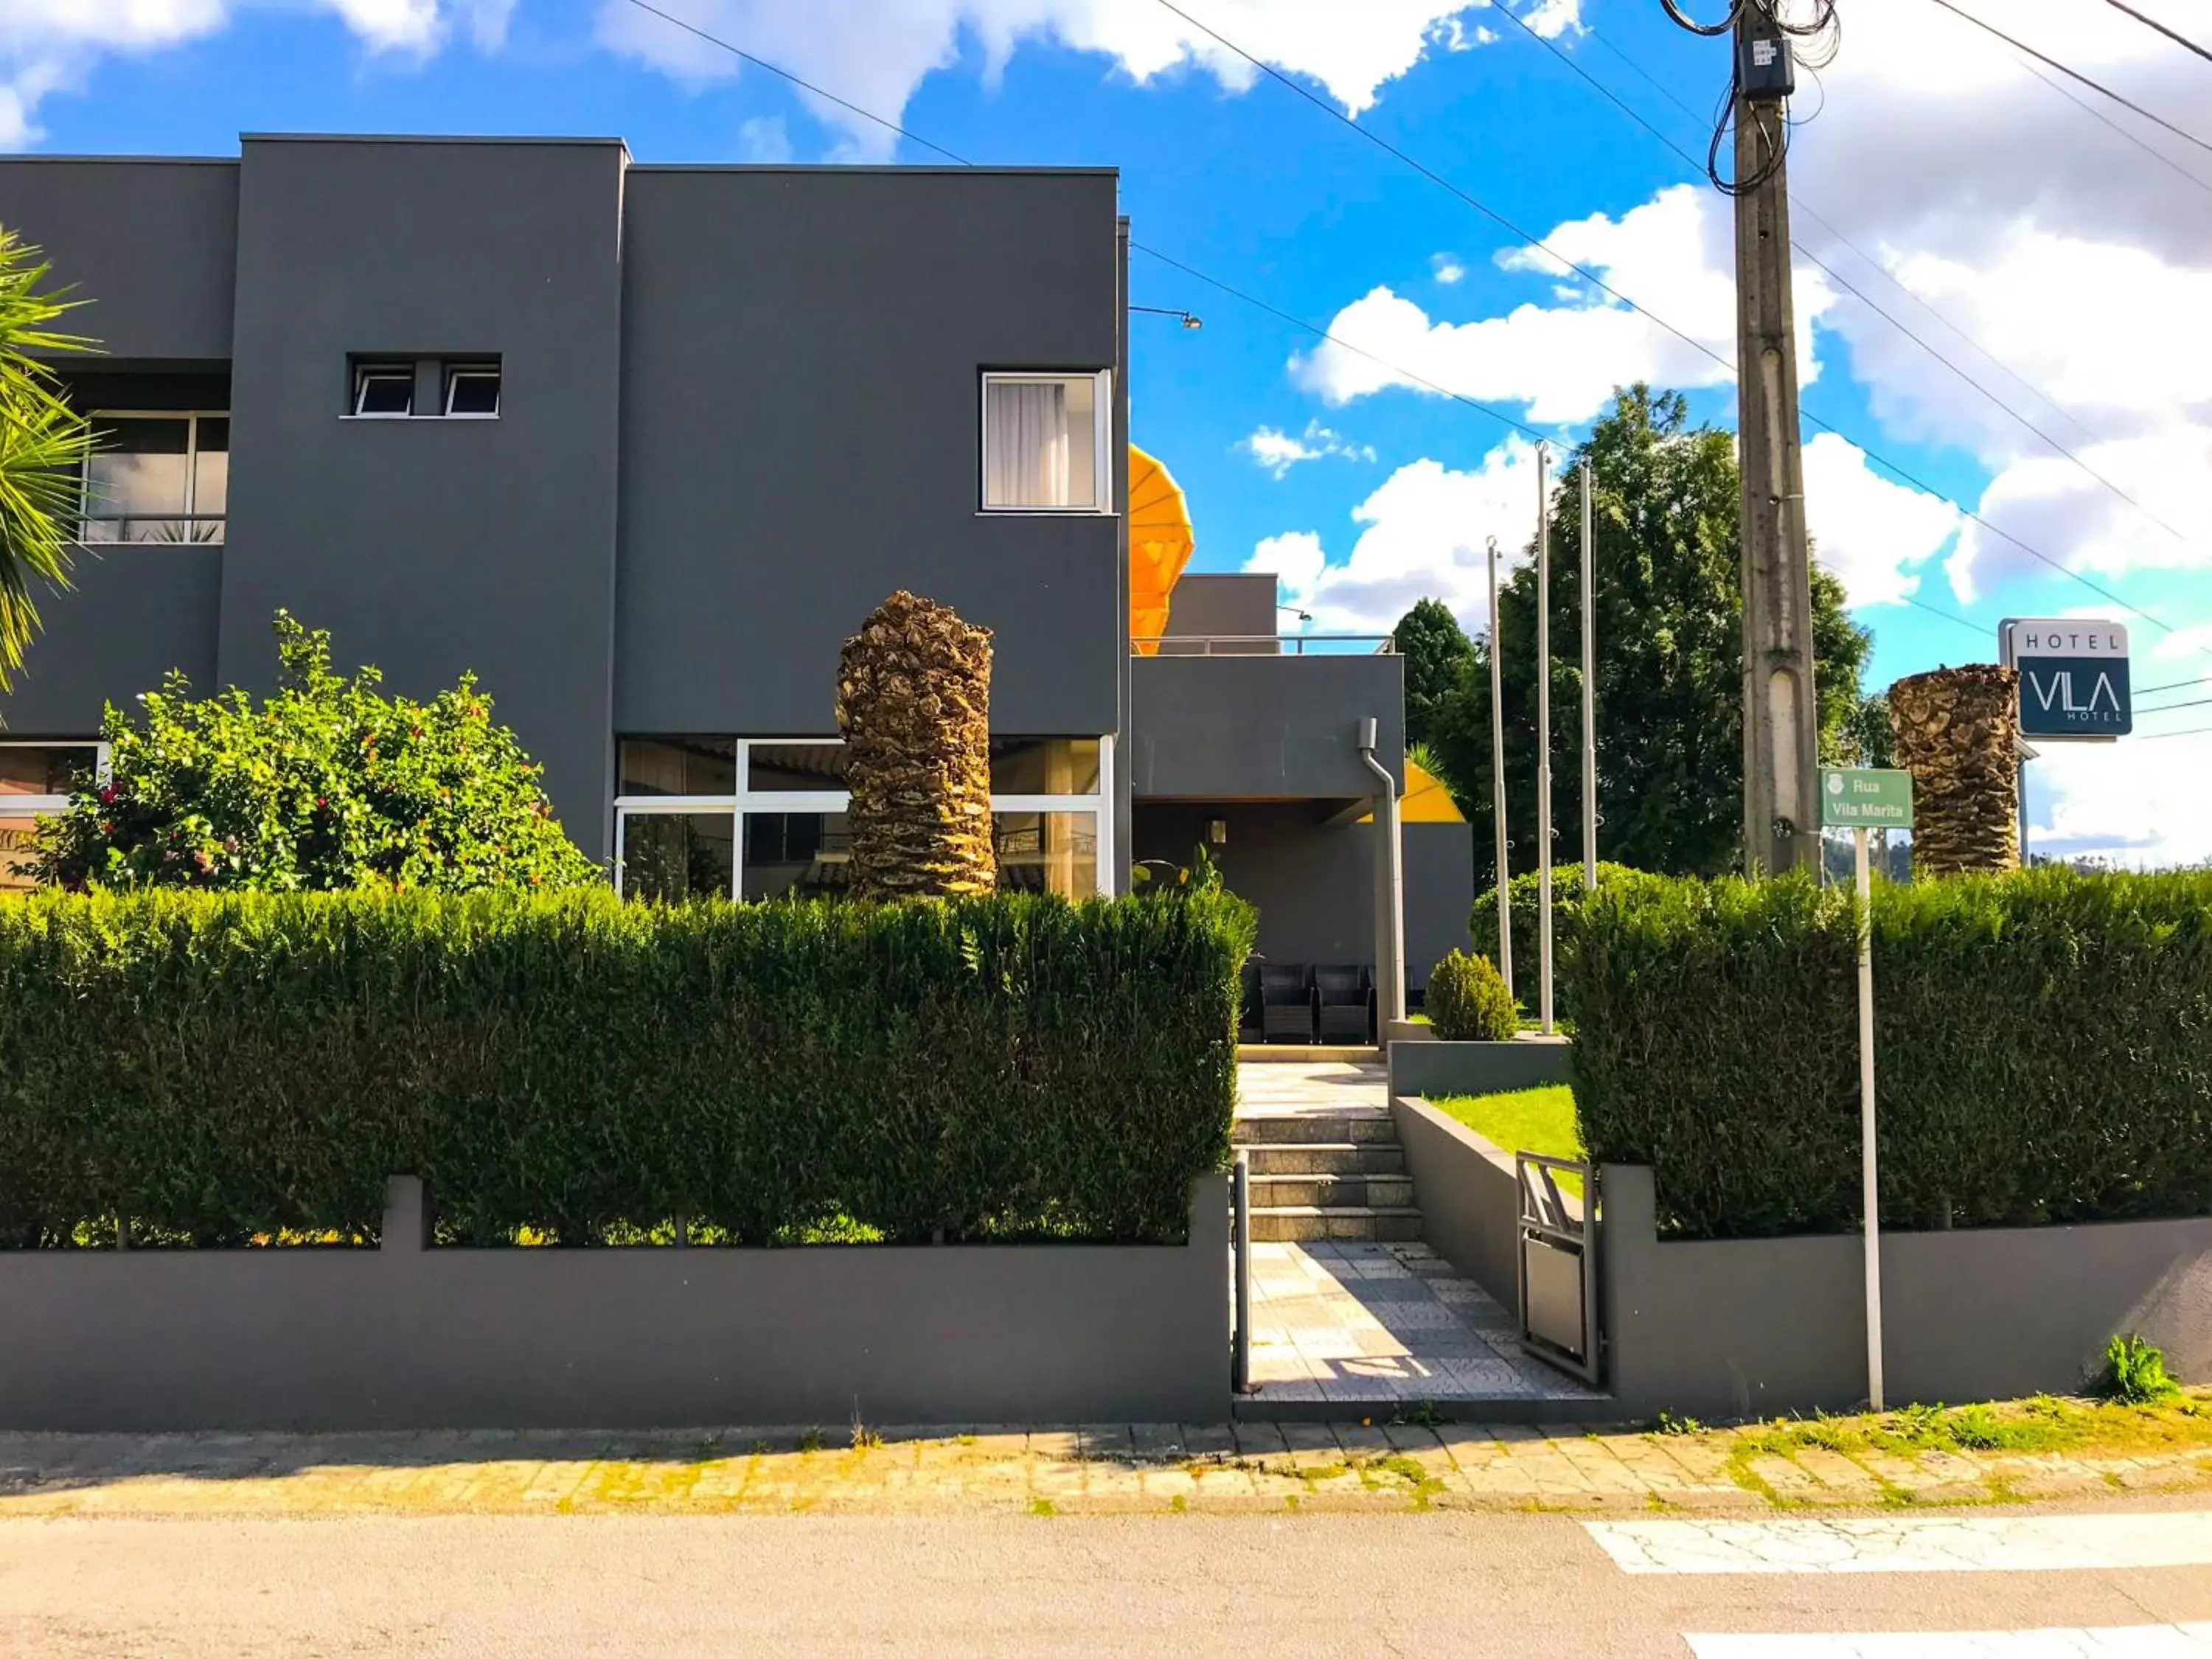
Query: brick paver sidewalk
x=1148 y=1468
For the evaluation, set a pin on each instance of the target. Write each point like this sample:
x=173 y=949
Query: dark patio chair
x=1343 y=998
x=1249 y=1027
x=1287 y=1003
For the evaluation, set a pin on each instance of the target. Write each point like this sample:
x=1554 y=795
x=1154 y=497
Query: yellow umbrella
x=1425 y=800
x=1160 y=545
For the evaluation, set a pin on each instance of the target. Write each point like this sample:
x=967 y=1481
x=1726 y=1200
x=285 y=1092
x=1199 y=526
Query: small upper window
x=384 y=389
x=472 y=390
x=1045 y=442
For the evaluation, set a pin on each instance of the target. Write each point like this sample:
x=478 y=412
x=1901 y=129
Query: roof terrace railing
x=1265 y=645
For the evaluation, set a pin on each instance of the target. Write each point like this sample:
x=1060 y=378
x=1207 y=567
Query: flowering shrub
x=328 y=784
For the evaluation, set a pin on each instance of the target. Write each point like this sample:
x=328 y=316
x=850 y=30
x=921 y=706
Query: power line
x=2096 y=114
x=1437 y=179
x=2173 y=708
x=1313 y=329
x=1948 y=616
x=2176 y=685
x=2189 y=732
x=762 y=62
x=1326 y=335
x=2174 y=35
x=1857 y=292
x=2072 y=74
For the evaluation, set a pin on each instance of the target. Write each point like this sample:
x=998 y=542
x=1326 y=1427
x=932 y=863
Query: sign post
x=1860 y=799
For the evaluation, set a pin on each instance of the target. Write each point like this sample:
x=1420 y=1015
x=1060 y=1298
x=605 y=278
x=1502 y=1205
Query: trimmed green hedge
x=2043 y=1049
x=1525 y=890
x=220 y=1067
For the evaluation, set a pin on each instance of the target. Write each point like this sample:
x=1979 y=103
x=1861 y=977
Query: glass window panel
x=1040 y=442
x=1044 y=766
x=678 y=766
x=472 y=391
x=669 y=857
x=1048 y=853
x=15 y=854
x=384 y=389
x=211 y=477
x=46 y=769
x=796 y=854
x=811 y=767
x=135 y=484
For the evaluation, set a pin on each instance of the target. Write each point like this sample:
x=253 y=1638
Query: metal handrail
x=1281 y=645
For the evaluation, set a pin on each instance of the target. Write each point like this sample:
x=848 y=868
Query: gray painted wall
x=1432 y=1068
x=1216 y=604
x=1749 y=1327
x=1263 y=728
x=429 y=546
x=1312 y=884
x=1464 y=1187
x=152 y=245
x=803 y=437
x=1438 y=874
x=403 y=1337
x=132 y=613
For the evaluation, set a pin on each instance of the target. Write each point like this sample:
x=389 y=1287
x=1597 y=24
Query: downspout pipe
x=1389 y=891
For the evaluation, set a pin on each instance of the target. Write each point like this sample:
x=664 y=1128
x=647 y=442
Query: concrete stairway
x=1333 y=1174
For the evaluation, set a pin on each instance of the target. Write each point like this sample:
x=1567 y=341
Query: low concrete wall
x=406 y=1337
x=1749 y=1327
x=1464 y=1188
x=1480 y=1068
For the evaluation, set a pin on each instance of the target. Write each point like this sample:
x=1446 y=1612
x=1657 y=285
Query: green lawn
x=1524 y=1120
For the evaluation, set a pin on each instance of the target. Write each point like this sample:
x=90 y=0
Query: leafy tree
x=328 y=784
x=1670 y=659
x=43 y=445
x=1435 y=650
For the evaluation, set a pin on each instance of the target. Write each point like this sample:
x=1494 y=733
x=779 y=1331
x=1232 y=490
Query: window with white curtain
x=1045 y=443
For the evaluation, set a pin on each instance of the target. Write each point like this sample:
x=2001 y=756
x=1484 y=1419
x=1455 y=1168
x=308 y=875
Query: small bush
x=2135 y=1373
x=570 y=1068
x=1467 y=1002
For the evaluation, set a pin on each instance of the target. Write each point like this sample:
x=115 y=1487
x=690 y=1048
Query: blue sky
x=2078 y=259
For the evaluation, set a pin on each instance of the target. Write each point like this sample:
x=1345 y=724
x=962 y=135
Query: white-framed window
x=758 y=817
x=472 y=392
x=383 y=390
x=1047 y=442
x=38 y=778
x=156 y=476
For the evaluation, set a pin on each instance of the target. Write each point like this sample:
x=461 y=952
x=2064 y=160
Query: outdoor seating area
x=1306 y=1004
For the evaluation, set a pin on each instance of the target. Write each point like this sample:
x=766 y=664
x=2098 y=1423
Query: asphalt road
x=1522 y=1585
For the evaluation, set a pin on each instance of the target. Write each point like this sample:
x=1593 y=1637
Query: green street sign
x=1862 y=798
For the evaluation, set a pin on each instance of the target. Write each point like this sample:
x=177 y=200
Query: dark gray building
x=640 y=446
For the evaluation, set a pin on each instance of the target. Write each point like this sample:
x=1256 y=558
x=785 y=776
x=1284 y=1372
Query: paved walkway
x=1384 y=1326
x=1243 y=1467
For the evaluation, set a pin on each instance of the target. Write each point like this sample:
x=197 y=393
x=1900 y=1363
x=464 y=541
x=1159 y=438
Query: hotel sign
x=2072 y=677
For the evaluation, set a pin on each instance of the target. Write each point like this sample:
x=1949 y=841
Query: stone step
x=1362 y=1125
x=1331 y=1192
x=1327 y=1158
x=1307 y=1224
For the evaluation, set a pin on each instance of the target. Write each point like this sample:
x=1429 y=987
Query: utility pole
x=1781 y=799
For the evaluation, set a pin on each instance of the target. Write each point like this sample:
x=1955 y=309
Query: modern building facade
x=640 y=446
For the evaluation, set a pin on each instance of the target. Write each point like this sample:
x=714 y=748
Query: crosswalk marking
x=2109 y=1642
x=1931 y=1543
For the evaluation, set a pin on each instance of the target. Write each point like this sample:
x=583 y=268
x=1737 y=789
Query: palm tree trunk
x=914 y=700
x=1957 y=734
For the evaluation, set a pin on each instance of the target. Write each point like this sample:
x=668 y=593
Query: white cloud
x=764 y=139
x=2134 y=802
x=1673 y=256
x=2192 y=644
x=51 y=45
x=1870 y=531
x=1446 y=267
x=1279 y=452
x=1425 y=535
x=876 y=52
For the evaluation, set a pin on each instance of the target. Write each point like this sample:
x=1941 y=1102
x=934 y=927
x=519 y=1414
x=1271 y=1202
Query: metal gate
x=1557 y=1254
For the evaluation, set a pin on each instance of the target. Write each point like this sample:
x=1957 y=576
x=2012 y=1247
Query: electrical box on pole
x=1781 y=758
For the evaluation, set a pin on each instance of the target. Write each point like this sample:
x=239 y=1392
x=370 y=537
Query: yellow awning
x=1160 y=545
x=1426 y=800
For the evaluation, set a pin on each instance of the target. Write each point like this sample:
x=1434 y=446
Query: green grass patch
x=2044 y=1423
x=1524 y=1120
